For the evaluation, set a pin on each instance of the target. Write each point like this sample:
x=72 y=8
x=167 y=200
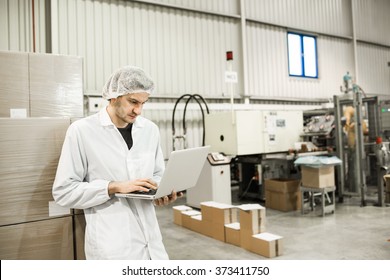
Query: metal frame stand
x=323 y=193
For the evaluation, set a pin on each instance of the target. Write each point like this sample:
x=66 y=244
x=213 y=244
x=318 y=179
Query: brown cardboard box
x=232 y=233
x=252 y=217
x=318 y=177
x=282 y=194
x=252 y=221
x=267 y=244
x=207 y=227
x=196 y=224
x=218 y=214
x=186 y=220
x=177 y=213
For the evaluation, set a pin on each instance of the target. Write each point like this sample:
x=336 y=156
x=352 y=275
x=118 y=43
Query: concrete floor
x=352 y=233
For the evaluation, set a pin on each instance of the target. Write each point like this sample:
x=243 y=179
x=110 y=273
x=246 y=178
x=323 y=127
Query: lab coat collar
x=105 y=119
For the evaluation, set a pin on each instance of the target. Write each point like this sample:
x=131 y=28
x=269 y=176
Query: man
x=115 y=151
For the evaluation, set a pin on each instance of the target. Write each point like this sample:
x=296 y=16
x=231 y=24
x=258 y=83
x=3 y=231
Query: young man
x=115 y=151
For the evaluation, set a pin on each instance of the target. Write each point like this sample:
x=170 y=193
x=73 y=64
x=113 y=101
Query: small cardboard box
x=252 y=217
x=196 y=224
x=318 y=177
x=282 y=194
x=177 y=213
x=218 y=212
x=232 y=233
x=207 y=228
x=217 y=215
x=186 y=220
x=252 y=221
x=267 y=244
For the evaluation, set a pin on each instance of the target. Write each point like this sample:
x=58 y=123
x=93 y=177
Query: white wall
x=182 y=43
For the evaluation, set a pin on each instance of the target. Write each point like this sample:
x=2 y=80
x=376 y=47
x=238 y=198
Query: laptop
x=181 y=172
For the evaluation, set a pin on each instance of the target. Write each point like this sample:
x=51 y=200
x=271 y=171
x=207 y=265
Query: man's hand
x=143 y=185
x=167 y=199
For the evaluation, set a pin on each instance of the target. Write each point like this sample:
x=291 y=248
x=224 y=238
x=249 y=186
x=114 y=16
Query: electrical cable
x=193 y=96
x=247 y=189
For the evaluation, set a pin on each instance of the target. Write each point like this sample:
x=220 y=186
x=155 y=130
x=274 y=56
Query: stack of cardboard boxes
x=282 y=194
x=39 y=96
x=242 y=226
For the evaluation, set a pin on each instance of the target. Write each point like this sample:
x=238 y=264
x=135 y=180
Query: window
x=302 y=55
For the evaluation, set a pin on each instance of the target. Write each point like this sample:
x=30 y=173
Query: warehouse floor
x=352 y=233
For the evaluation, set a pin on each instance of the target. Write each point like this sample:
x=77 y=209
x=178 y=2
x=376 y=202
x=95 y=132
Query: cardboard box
x=217 y=215
x=267 y=244
x=177 y=213
x=252 y=221
x=218 y=212
x=252 y=217
x=232 y=234
x=207 y=228
x=318 y=177
x=196 y=224
x=187 y=222
x=282 y=194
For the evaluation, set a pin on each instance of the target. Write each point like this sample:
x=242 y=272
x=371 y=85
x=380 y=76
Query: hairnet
x=128 y=79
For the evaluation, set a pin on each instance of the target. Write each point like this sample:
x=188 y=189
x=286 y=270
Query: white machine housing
x=213 y=183
x=253 y=132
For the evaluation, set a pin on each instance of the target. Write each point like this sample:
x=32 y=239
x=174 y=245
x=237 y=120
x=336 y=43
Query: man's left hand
x=167 y=199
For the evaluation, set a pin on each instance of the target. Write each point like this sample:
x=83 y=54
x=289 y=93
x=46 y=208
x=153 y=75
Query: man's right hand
x=143 y=185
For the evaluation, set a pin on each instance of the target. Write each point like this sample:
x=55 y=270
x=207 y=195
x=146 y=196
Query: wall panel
x=184 y=51
x=330 y=16
x=218 y=6
x=374 y=69
x=373 y=20
x=268 y=68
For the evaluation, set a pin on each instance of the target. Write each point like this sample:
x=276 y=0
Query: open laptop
x=181 y=173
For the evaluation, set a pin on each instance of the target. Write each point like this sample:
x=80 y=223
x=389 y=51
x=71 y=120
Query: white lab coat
x=95 y=153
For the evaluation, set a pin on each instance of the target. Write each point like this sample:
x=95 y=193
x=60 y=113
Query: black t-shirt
x=126 y=133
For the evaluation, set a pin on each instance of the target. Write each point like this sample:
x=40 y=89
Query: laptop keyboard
x=151 y=192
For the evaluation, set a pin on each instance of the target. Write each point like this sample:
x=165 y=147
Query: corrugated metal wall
x=182 y=50
x=267 y=73
x=16 y=26
x=327 y=16
x=373 y=20
x=230 y=7
x=374 y=69
x=183 y=43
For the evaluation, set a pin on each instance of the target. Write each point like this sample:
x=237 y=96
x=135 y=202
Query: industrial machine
x=254 y=140
x=319 y=130
x=361 y=125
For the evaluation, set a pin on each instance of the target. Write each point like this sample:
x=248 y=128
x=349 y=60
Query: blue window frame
x=302 y=55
